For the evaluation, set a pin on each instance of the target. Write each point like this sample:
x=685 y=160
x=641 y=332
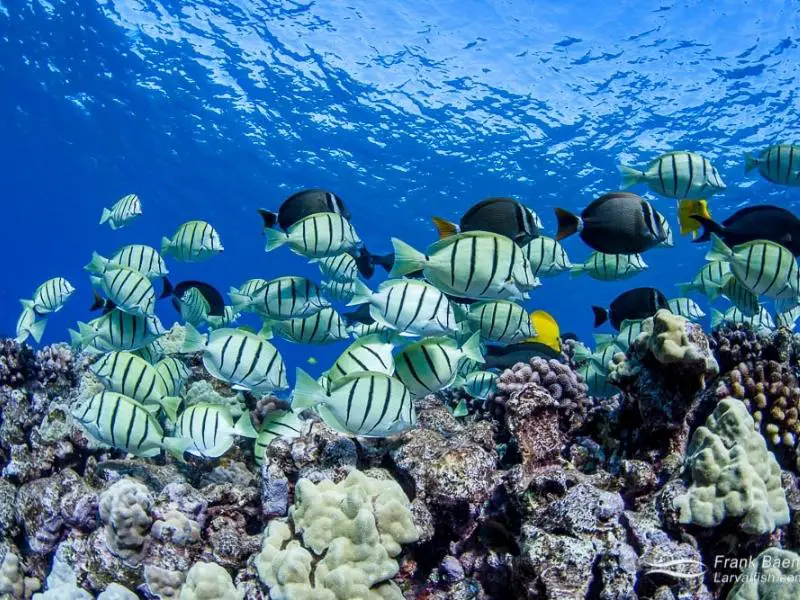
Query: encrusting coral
x=772 y=575
x=357 y=526
x=209 y=581
x=733 y=474
x=125 y=511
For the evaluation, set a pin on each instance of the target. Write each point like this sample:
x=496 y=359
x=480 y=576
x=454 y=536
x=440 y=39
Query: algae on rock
x=733 y=474
x=357 y=526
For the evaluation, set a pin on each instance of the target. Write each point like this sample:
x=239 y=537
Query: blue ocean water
x=210 y=110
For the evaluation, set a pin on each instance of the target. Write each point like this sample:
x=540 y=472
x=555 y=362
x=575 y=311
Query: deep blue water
x=209 y=110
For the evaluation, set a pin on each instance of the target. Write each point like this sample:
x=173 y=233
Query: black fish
x=503 y=216
x=635 y=304
x=755 y=223
x=616 y=223
x=365 y=261
x=304 y=203
x=505 y=357
x=209 y=292
x=108 y=305
x=359 y=315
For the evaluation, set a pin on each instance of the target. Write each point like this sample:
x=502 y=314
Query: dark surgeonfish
x=765 y=222
x=313 y=201
x=633 y=305
x=504 y=216
x=615 y=223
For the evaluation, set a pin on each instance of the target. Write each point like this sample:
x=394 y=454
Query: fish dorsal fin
x=444 y=243
x=444 y=227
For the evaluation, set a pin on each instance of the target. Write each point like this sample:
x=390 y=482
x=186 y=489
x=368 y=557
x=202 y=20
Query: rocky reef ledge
x=681 y=486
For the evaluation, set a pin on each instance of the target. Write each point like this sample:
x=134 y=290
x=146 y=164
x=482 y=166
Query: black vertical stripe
x=203 y=428
x=254 y=362
x=116 y=401
x=368 y=407
x=419 y=307
x=473 y=257
x=495 y=262
x=130 y=427
x=661 y=175
x=385 y=404
x=690 y=157
x=453 y=263
x=350 y=400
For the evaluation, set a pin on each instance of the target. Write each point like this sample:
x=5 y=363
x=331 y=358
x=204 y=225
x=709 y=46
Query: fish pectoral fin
x=331 y=420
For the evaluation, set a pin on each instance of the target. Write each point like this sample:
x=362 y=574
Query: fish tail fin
x=688 y=213
x=361 y=293
x=750 y=162
x=713 y=291
x=577 y=270
x=266 y=330
x=28 y=304
x=275 y=239
x=568 y=224
x=168 y=289
x=83 y=336
x=270 y=218
x=244 y=426
x=105 y=216
x=98 y=303
x=709 y=226
x=170 y=405
x=472 y=348
x=386 y=261
x=307 y=392
x=600 y=315
x=36 y=329
x=240 y=301
x=74 y=339
x=406 y=259
x=685 y=288
x=719 y=251
x=176 y=446
x=365 y=263
x=716 y=318
x=166 y=245
x=630 y=176
x=444 y=227
x=97 y=264
x=194 y=340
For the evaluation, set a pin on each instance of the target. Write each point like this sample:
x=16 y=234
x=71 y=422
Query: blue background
x=209 y=110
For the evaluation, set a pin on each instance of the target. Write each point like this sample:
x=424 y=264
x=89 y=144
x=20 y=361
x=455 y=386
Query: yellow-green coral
x=773 y=575
x=209 y=581
x=733 y=474
x=357 y=526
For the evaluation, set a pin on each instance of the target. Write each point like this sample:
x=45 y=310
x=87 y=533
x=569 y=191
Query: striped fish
x=251 y=286
x=211 y=429
x=431 y=365
x=194 y=241
x=629 y=330
x=174 y=374
x=500 y=321
x=789 y=318
x=315 y=236
x=605 y=354
x=193 y=307
x=278 y=424
x=596 y=380
x=765 y=268
x=476 y=264
x=124 y=211
x=50 y=297
x=123 y=423
x=242 y=359
x=409 y=306
x=339 y=267
x=152 y=352
x=686 y=307
x=280 y=299
x=339 y=290
x=681 y=174
x=610 y=267
x=739 y=295
x=129 y=290
x=361 y=404
x=761 y=322
x=708 y=279
x=547 y=257
x=30 y=325
x=779 y=164
x=370 y=353
x=117 y=330
x=132 y=376
x=141 y=258
x=228 y=317
x=323 y=327
x=668 y=242
x=479 y=384
x=364 y=329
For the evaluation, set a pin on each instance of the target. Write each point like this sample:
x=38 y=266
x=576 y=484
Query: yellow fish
x=547 y=331
x=688 y=209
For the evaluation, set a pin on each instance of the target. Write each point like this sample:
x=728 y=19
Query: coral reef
x=773 y=575
x=733 y=474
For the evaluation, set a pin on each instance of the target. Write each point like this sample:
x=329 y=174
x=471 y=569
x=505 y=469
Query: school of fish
x=450 y=315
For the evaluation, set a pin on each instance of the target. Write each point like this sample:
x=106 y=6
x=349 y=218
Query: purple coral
x=17 y=363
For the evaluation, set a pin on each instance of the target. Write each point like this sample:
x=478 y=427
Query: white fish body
x=431 y=365
x=318 y=235
x=144 y=259
x=30 y=325
x=323 y=327
x=278 y=424
x=124 y=211
x=339 y=267
x=611 y=267
x=708 y=279
x=779 y=164
x=479 y=384
x=500 y=321
x=686 y=307
x=194 y=307
x=117 y=330
x=194 y=241
x=127 y=288
x=680 y=174
x=50 y=297
x=280 y=299
x=211 y=429
x=370 y=353
x=547 y=257
x=174 y=373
